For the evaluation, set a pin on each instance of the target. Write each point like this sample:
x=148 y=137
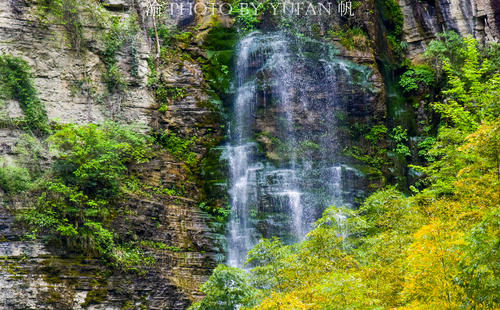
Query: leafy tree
x=473 y=93
x=95 y=158
x=470 y=99
x=80 y=196
x=417 y=78
x=448 y=47
x=227 y=289
x=480 y=266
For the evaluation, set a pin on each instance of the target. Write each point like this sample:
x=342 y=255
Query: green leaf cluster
x=400 y=137
x=227 y=289
x=121 y=34
x=179 y=147
x=417 y=78
x=16 y=82
x=351 y=38
x=84 y=191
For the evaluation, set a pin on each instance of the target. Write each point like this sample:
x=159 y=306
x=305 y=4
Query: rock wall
x=60 y=71
x=34 y=275
x=424 y=19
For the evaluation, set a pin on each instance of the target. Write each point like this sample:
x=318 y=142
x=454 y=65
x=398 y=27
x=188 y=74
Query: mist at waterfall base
x=284 y=156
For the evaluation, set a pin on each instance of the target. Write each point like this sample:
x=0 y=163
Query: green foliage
x=163 y=108
x=227 y=289
x=165 y=34
x=183 y=37
x=16 y=82
x=473 y=90
x=119 y=35
x=14 y=179
x=247 y=14
x=417 y=78
x=400 y=136
x=392 y=17
x=66 y=13
x=220 y=214
x=164 y=93
x=480 y=268
x=170 y=36
x=78 y=199
x=95 y=158
x=219 y=45
x=470 y=99
x=448 y=47
x=376 y=134
x=179 y=147
x=425 y=146
x=266 y=258
x=351 y=38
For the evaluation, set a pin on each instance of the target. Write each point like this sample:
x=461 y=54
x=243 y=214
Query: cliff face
x=71 y=83
x=424 y=19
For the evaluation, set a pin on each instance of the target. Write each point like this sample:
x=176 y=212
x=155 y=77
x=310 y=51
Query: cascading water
x=283 y=151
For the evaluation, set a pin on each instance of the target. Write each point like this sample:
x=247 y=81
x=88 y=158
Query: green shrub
x=400 y=137
x=417 y=78
x=14 y=179
x=351 y=38
x=179 y=147
x=449 y=47
x=376 y=134
x=16 y=82
x=227 y=289
x=81 y=195
x=163 y=108
x=220 y=214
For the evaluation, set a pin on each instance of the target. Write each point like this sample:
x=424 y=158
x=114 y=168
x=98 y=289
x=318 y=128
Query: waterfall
x=283 y=150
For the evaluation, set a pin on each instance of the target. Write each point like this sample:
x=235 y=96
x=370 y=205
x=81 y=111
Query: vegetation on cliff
x=74 y=190
x=16 y=82
x=435 y=249
x=76 y=201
